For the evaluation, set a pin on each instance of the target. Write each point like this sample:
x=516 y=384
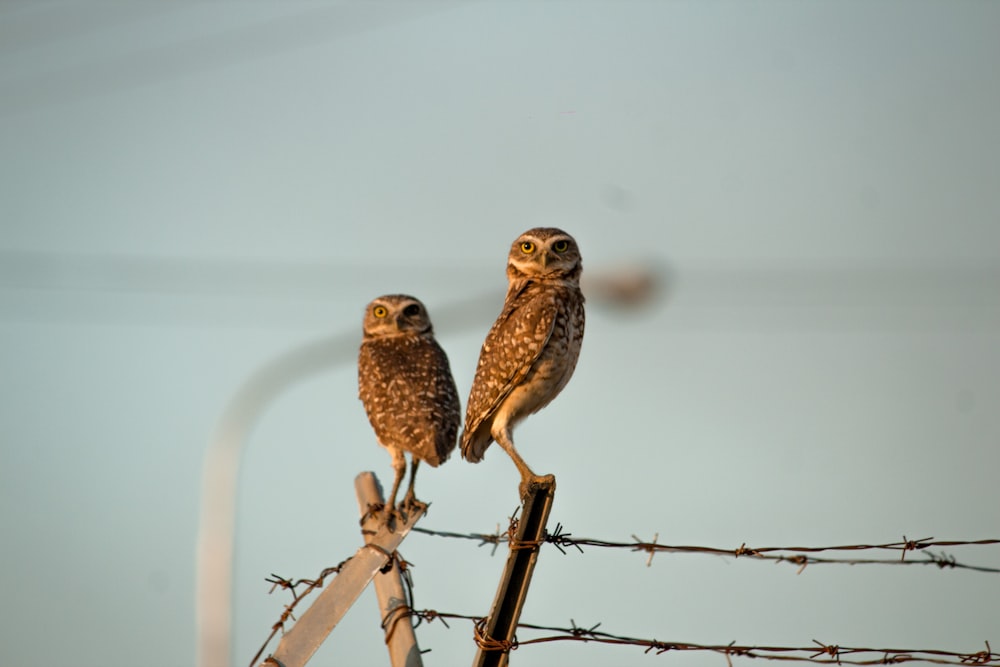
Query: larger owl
x=530 y=353
x=406 y=386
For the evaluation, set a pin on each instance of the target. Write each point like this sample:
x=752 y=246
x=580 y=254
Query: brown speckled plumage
x=531 y=351
x=406 y=386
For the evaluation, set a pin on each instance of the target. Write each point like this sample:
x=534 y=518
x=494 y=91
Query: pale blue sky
x=190 y=190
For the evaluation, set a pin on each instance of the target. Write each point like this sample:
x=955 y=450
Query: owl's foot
x=411 y=505
x=532 y=483
x=387 y=518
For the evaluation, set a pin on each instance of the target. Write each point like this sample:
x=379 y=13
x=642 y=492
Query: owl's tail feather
x=474 y=445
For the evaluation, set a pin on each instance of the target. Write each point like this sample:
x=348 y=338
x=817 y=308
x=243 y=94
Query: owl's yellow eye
x=527 y=247
x=380 y=311
x=561 y=246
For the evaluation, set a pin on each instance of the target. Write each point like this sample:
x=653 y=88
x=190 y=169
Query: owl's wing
x=512 y=347
x=443 y=407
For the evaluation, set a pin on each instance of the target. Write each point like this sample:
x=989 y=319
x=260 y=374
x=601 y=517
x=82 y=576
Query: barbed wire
x=793 y=555
x=388 y=621
x=798 y=555
x=819 y=652
x=291 y=585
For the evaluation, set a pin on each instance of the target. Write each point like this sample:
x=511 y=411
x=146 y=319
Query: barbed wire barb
x=647 y=546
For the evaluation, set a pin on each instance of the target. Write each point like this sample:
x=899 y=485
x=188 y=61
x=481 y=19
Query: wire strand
x=798 y=555
x=794 y=555
x=818 y=652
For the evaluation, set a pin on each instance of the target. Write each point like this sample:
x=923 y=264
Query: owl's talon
x=411 y=505
x=388 y=518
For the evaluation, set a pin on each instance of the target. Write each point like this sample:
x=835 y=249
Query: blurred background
x=789 y=215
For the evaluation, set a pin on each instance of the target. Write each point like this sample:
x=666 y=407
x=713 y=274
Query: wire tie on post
x=516 y=545
x=487 y=643
x=512 y=526
x=392 y=617
x=388 y=566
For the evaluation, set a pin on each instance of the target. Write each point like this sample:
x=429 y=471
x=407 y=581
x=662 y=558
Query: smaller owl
x=530 y=353
x=406 y=386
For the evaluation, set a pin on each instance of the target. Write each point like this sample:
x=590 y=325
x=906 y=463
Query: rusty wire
x=563 y=541
x=405 y=608
x=819 y=652
x=796 y=555
x=483 y=640
x=277 y=582
x=389 y=621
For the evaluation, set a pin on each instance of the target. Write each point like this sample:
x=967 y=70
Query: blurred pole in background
x=219 y=481
x=634 y=287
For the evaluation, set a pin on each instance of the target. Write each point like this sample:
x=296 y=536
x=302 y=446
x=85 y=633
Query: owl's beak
x=545 y=259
